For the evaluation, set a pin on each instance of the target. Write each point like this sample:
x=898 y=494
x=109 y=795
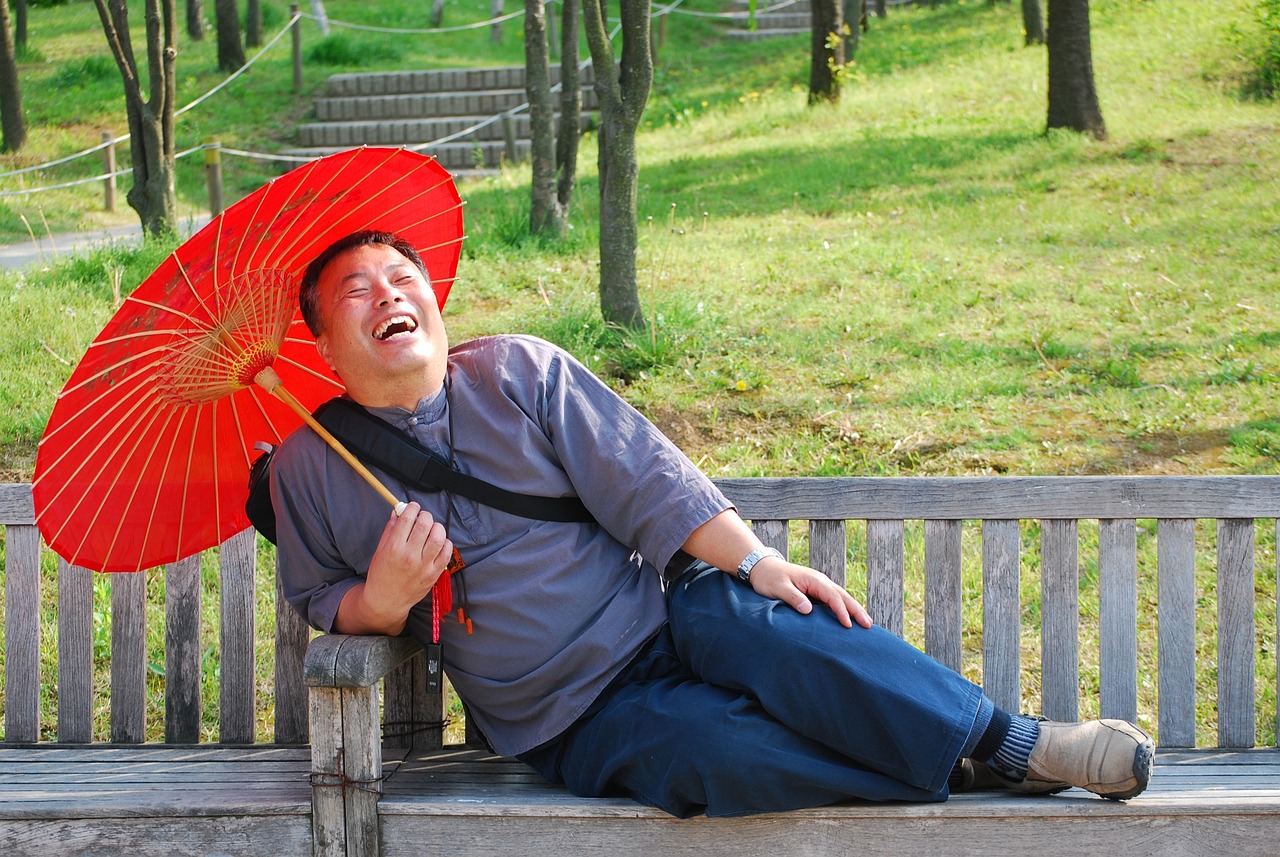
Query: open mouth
x=399 y=325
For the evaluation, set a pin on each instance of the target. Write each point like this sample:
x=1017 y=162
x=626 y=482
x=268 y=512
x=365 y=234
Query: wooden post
x=509 y=135
x=213 y=174
x=495 y=29
x=109 y=162
x=296 y=35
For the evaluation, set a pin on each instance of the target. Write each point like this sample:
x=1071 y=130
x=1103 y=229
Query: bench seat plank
x=1198 y=802
x=101 y=782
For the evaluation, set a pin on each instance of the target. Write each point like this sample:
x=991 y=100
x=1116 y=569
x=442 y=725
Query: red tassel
x=442 y=594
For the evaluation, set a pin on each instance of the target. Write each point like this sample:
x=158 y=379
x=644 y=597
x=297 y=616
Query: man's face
x=382 y=331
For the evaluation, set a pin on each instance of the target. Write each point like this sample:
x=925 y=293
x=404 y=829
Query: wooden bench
x=938 y=555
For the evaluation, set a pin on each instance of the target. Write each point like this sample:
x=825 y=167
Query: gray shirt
x=557 y=609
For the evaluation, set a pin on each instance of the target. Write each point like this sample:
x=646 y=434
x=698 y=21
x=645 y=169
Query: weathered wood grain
x=182 y=651
x=128 y=657
x=1001 y=614
x=1008 y=497
x=1176 y=630
x=828 y=548
x=16 y=504
x=885 y=572
x=943 y=617
x=339 y=660
x=1118 y=618
x=22 y=633
x=291 y=639
x=75 y=653
x=1060 y=619
x=1235 y=634
x=237 y=592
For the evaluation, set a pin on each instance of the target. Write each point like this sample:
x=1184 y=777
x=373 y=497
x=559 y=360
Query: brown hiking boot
x=1110 y=758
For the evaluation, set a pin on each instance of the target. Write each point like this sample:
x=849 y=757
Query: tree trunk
x=623 y=89
x=1073 y=100
x=880 y=10
x=826 y=51
x=151 y=121
x=195 y=20
x=570 y=105
x=253 y=24
x=854 y=14
x=546 y=215
x=20 y=23
x=230 y=48
x=437 y=13
x=1032 y=22
x=13 y=123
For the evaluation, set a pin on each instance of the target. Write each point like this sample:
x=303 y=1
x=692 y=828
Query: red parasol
x=146 y=456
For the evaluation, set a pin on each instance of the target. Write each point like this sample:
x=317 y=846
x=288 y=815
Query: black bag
x=376 y=443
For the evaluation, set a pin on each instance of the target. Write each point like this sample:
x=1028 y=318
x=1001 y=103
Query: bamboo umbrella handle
x=268 y=380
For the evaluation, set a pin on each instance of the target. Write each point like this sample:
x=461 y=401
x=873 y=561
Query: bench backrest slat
x=292 y=634
x=943 y=589
x=22 y=633
x=238 y=592
x=1001 y=613
x=182 y=651
x=1176 y=594
x=1118 y=617
x=128 y=658
x=1236 y=641
x=75 y=654
x=1060 y=619
x=885 y=573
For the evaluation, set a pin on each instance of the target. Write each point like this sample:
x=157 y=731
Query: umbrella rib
x=96 y=512
x=287 y=251
x=302 y=175
x=308 y=370
x=186 y=484
x=115 y=392
x=137 y=485
x=156 y=503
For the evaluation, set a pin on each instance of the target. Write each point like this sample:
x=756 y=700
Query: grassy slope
x=915 y=281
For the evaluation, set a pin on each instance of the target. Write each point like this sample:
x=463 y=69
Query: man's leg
x=864 y=693
x=666 y=739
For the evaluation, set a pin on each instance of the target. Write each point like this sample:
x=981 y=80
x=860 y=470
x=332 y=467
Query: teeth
x=395 y=324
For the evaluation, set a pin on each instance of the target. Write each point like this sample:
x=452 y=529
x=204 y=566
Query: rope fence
x=213 y=150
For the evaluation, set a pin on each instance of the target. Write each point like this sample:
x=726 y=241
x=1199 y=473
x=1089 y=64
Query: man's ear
x=322 y=346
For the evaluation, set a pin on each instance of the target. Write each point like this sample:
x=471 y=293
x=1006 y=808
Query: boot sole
x=1143 y=761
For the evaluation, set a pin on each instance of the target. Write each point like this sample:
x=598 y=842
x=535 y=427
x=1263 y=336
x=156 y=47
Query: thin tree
x=150 y=120
x=20 y=23
x=1073 y=98
x=570 y=103
x=230 y=48
x=826 y=55
x=253 y=24
x=622 y=89
x=195 y=20
x=1032 y=22
x=13 y=123
x=554 y=154
x=437 y=13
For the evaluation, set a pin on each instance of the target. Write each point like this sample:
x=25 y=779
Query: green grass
x=915 y=281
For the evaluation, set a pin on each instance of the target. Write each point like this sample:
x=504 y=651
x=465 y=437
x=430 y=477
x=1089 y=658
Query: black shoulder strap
x=377 y=442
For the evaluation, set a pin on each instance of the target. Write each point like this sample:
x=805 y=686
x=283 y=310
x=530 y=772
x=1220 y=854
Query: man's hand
x=412 y=553
x=797 y=585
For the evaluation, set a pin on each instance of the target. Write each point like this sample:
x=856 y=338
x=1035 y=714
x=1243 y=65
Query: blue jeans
x=741 y=705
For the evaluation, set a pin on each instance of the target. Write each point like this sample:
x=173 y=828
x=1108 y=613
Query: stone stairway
x=773 y=19
x=414 y=107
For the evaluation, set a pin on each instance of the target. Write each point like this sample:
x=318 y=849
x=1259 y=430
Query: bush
x=341 y=49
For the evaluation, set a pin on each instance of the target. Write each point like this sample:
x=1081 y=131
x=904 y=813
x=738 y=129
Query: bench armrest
x=342 y=660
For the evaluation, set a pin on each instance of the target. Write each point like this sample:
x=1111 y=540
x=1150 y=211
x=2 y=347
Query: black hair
x=308 y=298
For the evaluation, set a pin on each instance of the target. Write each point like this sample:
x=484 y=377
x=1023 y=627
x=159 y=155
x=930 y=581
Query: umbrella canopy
x=146 y=455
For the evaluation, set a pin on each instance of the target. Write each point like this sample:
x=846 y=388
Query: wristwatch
x=744 y=567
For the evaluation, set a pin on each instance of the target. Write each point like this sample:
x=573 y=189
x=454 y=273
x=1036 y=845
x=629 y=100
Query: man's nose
x=388 y=294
